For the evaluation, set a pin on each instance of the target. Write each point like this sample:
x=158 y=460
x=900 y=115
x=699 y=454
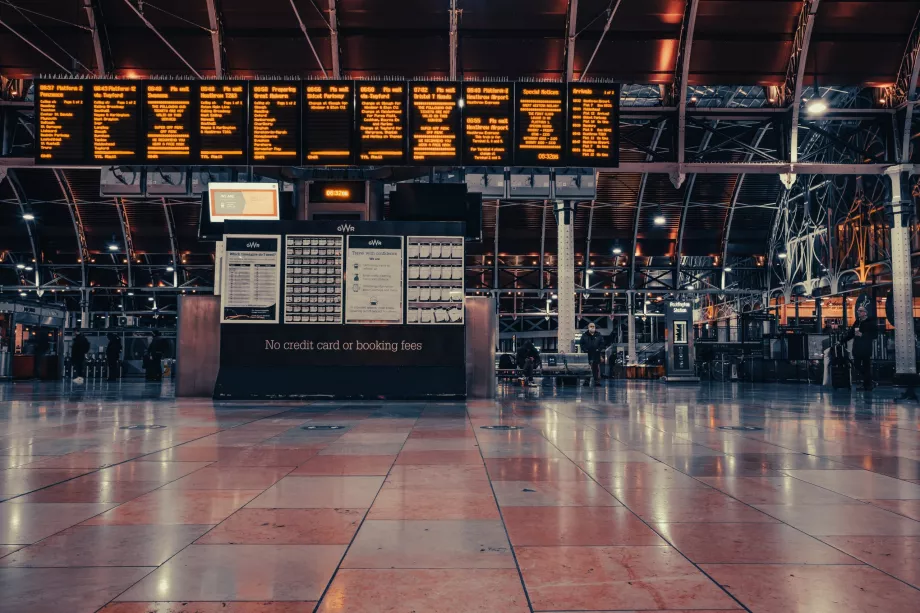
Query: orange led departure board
x=60 y=114
x=488 y=110
x=434 y=123
x=540 y=134
x=169 y=122
x=115 y=121
x=274 y=122
x=328 y=122
x=381 y=120
x=222 y=121
x=592 y=127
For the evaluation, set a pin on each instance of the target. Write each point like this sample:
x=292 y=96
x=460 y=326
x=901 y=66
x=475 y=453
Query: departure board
x=488 y=110
x=381 y=120
x=274 y=122
x=593 y=119
x=222 y=121
x=434 y=123
x=60 y=114
x=115 y=121
x=169 y=122
x=540 y=134
x=328 y=122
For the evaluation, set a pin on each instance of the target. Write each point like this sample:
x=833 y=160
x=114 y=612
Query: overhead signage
x=169 y=122
x=381 y=121
x=593 y=118
x=337 y=191
x=60 y=115
x=274 y=122
x=374 y=280
x=488 y=115
x=251 y=279
x=222 y=122
x=247 y=201
x=328 y=122
x=434 y=123
x=540 y=130
x=115 y=121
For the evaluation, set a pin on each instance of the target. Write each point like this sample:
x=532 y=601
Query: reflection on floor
x=635 y=497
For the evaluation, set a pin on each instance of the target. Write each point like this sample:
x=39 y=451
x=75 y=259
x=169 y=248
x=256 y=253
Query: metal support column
x=565 y=255
x=818 y=315
x=632 y=357
x=901 y=275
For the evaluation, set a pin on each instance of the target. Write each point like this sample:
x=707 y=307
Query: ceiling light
x=169 y=269
x=113 y=247
x=20 y=266
x=130 y=293
x=728 y=269
x=617 y=251
x=589 y=271
x=28 y=216
x=782 y=255
x=149 y=299
x=816 y=106
x=29 y=268
x=555 y=296
x=23 y=294
x=659 y=219
x=460 y=102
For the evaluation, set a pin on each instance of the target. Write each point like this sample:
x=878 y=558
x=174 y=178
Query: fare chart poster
x=251 y=279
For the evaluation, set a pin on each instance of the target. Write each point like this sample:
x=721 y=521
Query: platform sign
x=274 y=122
x=60 y=118
x=374 y=280
x=488 y=120
x=540 y=124
x=434 y=123
x=679 y=341
x=593 y=124
x=222 y=121
x=252 y=273
x=169 y=123
x=328 y=122
x=381 y=122
x=115 y=113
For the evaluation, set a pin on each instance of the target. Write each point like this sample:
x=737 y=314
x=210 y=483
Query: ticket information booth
x=679 y=352
x=341 y=309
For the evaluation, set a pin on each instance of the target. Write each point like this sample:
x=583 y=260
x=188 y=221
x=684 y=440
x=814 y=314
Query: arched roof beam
x=681 y=76
x=795 y=78
x=454 y=33
x=163 y=38
x=173 y=245
x=34 y=46
x=216 y=25
x=688 y=193
x=639 y=198
x=22 y=200
x=104 y=64
x=303 y=28
x=905 y=88
x=126 y=235
x=611 y=12
x=71 y=203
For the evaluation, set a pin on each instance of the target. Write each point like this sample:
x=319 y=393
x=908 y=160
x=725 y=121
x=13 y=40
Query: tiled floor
x=628 y=498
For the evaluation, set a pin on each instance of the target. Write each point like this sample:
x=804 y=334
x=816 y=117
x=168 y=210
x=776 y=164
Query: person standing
x=592 y=342
x=154 y=358
x=863 y=333
x=41 y=347
x=78 y=350
x=113 y=357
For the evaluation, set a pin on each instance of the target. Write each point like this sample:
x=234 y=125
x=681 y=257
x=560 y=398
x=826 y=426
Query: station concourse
x=459 y=306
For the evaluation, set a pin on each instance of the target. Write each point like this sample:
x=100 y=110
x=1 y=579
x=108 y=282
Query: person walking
x=78 y=350
x=863 y=333
x=113 y=357
x=592 y=342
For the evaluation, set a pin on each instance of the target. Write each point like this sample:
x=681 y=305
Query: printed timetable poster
x=251 y=279
x=374 y=280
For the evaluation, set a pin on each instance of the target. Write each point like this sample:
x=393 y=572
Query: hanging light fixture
x=659 y=219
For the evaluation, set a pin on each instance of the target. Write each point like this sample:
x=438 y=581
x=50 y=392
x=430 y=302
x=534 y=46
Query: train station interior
x=459 y=306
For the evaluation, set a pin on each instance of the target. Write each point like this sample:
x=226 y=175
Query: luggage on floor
x=840 y=373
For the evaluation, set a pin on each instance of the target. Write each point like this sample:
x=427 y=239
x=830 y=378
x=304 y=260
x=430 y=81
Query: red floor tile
x=63 y=590
x=466 y=443
x=320 y=492
x=815 y=589
x=602 y=578
x=638 y=475
x=776 y=490
x=749 y=544
x=431 y=503
x=447 y=476
x=859 y=484
x=576 y=526
x=428 y=591
x=688 y=505
x=286 y=527
x=439 y=457
x=203 y=507
x=89 y=489
x=107 y=546
x=241 y=572
x=148 y=471
x=209 y=607
x=907 y=508
x=843 y=520
x=25 y=523
x=534 y=469
x=558 y=493
x=342 y=465
x=6 y=550
x=18 y=481
x=184 y=453
x=231 y=478
x=83 y=459
x=270 y=456
x=896 y=555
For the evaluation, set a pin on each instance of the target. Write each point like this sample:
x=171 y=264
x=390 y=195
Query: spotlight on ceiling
x=728 y=269
x=20 y=266
x=782 y=255
x=169 y=269
x=659 y=219
x=617 y=251
x=816 y=106
x=28 y=216
x=113 y=247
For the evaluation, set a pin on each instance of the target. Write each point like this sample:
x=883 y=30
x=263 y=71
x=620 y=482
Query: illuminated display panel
x=222 y=121
x=115 y=121
x=434 y=123
x=381 y=119
x=328 y=122
x=593 y=126
x=60 y=108
x=488 y=111
x=540 y=134
x=169 y=114
x=274 y=122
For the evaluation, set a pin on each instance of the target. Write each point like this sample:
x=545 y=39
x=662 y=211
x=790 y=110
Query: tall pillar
x=818 y=315
x=632 y=356
x=901 y=274
x=565 y=219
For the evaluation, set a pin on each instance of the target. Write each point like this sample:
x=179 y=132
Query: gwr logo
x=374 y=243
x=252 y=245
x=346 y=228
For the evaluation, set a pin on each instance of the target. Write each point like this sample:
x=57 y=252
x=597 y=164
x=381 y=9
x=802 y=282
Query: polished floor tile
x=346 y=465
x=429 y=591
x=241 y=572
x=576 y=526
x=638 y=475
x=433 y=503
x=430 y=544
x=557 y=493
x=776 y=490
x=859 y=484
x=25 y=523
x=898 y=556
x=843 y=520
x=269 y=456
x=287 y=527
x=107 y=546
x=70 y=590
x=439 y=457
x=18 y=481
x=814 y=589
x=148 y=471
x=615 y=578
x=320 y=492
x=231 y=478
x=90 y=489
x=439 y=477
x=209 y=607
x=534 y=469
x=6 y=550
x=202 y=507
x=907 y=508
x=84 y=459
x=688 y=505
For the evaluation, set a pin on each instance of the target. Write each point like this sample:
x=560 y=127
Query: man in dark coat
x=863 y=333
x=528 y=360
x=155 y=354
x=113 y=357
x=592 y=342
x=78 y=350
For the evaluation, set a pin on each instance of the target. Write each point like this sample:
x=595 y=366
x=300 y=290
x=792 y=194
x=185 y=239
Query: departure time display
x=381 y=119
x=592 y=127
x=115 y=120
x=328 y=122
x=488 y=112
x=169 y=122
x=61 y=119
x=274 y=122
x=434 y=123
x=222 y=122
x=540 y=136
